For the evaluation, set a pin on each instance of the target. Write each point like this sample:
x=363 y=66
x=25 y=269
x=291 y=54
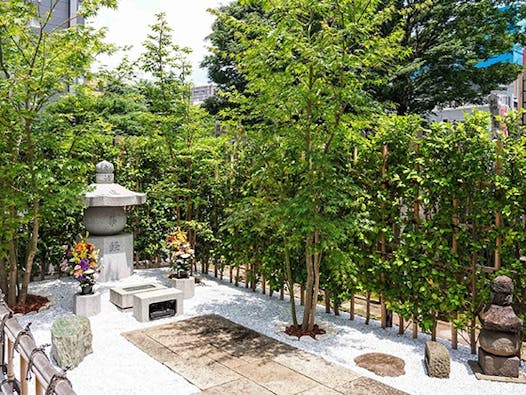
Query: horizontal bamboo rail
x=33 y=360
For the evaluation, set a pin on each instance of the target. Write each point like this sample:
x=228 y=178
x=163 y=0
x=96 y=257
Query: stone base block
x=87 y=305
x=71 y=340
x=116 y=252
x=437 y=360
x=144 y=303
x=187 y=285
x=122 y=297
x=493 y=365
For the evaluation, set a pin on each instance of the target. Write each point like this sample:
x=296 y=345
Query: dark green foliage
x=444 y=42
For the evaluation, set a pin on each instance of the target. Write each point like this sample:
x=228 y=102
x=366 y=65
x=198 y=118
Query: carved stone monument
x=500 y=336
x=105 y=218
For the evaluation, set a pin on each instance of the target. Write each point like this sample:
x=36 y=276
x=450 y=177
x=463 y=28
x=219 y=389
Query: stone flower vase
x=186 y=285
x=87 y=302
x=86 y=289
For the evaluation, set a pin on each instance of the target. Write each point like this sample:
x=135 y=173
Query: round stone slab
x=381 y=364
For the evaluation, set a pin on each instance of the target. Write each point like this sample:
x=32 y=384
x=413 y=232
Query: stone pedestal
x=186 y=285
x=493 y=365
x=70 y=340
x=116 y=253
x=87 y=305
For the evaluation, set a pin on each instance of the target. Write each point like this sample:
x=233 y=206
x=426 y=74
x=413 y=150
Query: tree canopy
x=444 y=45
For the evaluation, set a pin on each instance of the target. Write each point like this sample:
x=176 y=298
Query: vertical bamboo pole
x=416 y=222
x=415 y=329
x=236 y=282
x=434 y=328
x=247 y=275
x=254 y=277
x=327 y=301
x=10 y=367
x=498 y=214
x=400 y=325
x=23 y=381
x=39 y=388
x=368 y=308
x=472 y=333
x=336 y=307
x=454 y=248
x=351 y=308
x=383 y=250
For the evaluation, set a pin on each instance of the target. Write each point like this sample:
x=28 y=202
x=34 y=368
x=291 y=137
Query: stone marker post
x=105 y=218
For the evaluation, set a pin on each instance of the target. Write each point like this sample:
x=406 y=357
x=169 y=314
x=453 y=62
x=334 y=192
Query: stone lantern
x=105 y=218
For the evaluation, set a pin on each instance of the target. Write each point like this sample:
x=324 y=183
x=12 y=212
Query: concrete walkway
x=219 y=356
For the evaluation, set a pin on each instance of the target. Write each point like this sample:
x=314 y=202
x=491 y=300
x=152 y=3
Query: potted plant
x=82 y=262
x=181 y=256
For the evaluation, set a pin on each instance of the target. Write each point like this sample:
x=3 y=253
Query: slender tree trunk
x=31 y=253
x=290 y=286
x=3 y=276
x=316 y=270
x=13 y=273
x=310 y=283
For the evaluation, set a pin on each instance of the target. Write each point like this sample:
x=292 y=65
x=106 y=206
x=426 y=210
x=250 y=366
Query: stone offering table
x=105 y=218
x=122 y=297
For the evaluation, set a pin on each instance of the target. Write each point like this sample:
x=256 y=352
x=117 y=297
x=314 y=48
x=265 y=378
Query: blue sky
x=190 y=21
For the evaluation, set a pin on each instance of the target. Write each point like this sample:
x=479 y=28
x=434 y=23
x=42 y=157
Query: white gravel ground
x=118 y=367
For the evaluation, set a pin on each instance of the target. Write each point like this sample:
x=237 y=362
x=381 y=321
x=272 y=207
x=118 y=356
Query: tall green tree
x=225 y=43
x=446 y=42
x=305 y=74
x=37 y=63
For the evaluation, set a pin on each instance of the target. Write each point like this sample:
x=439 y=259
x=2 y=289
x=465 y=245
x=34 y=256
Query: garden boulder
x=70 y=340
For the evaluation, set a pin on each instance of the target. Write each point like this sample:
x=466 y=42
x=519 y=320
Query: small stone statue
x=500 y=336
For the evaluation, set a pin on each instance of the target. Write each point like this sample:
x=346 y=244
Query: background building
x=63 y=12
x=200 y=93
